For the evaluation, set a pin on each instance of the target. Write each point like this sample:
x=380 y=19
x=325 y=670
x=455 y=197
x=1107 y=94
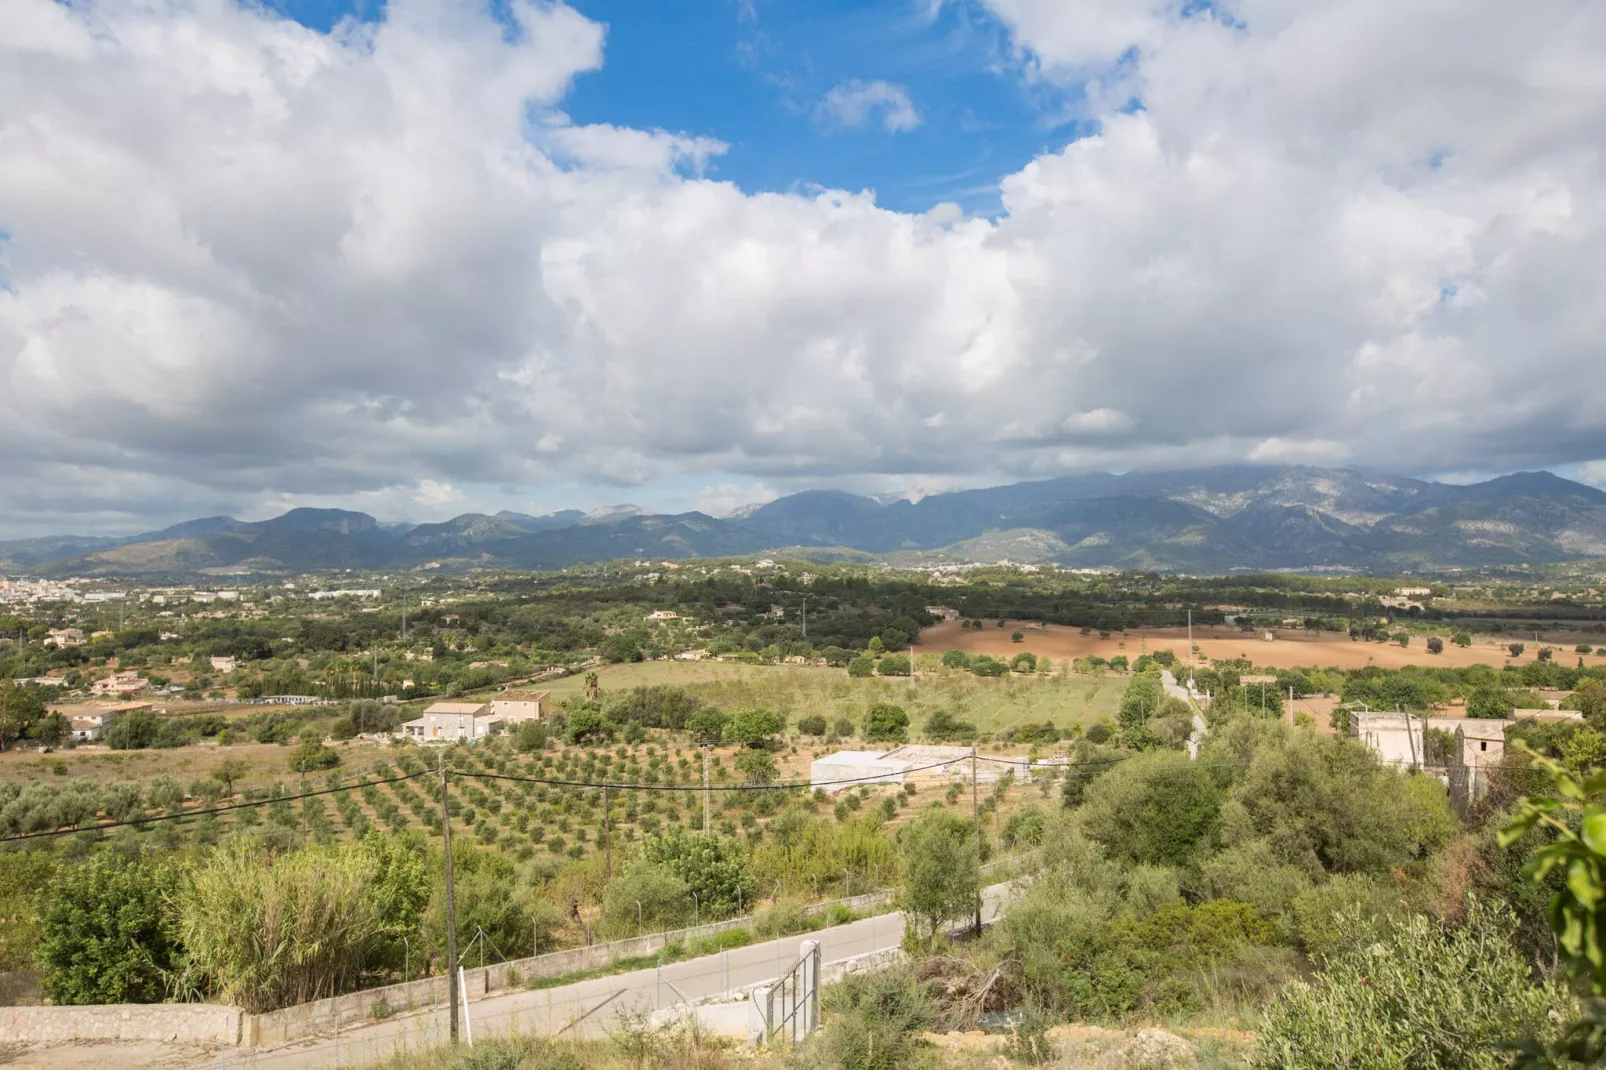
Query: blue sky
x=754 y=73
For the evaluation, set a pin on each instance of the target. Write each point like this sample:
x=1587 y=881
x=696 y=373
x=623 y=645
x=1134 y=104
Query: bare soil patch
x=1287 y=650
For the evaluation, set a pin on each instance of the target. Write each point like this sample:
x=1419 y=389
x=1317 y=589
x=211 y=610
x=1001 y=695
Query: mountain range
x=1197 y=520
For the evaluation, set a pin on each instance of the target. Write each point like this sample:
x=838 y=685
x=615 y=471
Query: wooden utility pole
x=975 y=817
x=607 y=838
x=707 y=811
x=451 y=903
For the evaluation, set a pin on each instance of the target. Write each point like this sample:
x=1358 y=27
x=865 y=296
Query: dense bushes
x=104 y=932
x=1427 y=995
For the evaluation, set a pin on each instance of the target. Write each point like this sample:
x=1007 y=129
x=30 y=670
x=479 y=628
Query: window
x=1483 y=745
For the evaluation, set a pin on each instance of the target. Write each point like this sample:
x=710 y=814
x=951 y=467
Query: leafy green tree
x=861 y=665
x=1025 y=661
x=103 y=935
x=884 y=721
x=1515 y=649
x=756 y=767
x=1156 y=810
x=941 y=871
x=1461 y=638
x=715 y=867
x=895 y=665
x=135 y=730
x=1435 y=645
x=754 y=727
x=646 y=898
x=310 y=755
x=1489 y=703
x=1017 y=637
x=21 y=709
x=530 y=737
x=707 y=725
x=230 y=770
x=587 y=725
x=955 y=659
x=985 y=666
x=166 y=793
x=1590 y=700
x=1141 y=700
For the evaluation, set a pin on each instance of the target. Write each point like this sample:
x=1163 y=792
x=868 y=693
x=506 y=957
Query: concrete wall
x=189 y=1023
x=323 y=1016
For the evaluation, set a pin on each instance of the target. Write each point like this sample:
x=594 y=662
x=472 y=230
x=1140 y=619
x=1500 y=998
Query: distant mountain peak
x=607 y=514
x=1200 y=520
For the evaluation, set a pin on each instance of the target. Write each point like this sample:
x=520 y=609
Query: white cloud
x=1298 y=451
x=249 y=263
x=1593 y=472
x=853 y=104
x=1097 y=422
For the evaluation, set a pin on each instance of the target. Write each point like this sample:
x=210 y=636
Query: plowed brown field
x=1290 y=649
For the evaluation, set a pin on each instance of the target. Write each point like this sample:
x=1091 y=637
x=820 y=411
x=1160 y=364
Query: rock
x=1156 y=1049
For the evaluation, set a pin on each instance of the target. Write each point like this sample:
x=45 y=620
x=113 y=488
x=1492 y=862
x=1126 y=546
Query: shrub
x=872 y=1022
x=646 y=898
x=1488 y=702
x=895 y=665
x=311 y=755
x=716 y=868
x=530 y=737
x=103 y=934
x=811 y=725
x=1155 y=809
x=753 y=727
x=941 y=874
x=955 y=659
x=166 y=793
x=1427 y=995
x=133 y=731
x=707 y=725
x=884 y=721
x=861 y=665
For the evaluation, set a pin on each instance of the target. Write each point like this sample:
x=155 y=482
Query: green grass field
x=795 y=690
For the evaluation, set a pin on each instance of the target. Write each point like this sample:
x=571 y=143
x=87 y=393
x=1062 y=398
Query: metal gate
x=791 y=1005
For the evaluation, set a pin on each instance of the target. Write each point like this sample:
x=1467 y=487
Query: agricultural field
x=993 y=705
x=1289 y=649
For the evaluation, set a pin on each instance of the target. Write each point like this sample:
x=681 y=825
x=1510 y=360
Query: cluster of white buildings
x=24 y=592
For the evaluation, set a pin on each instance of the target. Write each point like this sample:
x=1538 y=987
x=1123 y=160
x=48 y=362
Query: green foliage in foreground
x=1429 y=995
x=941 y=874
x=104 y=936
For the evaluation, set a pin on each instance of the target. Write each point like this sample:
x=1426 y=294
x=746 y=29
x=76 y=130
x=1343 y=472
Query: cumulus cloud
x=1593 y=472
x=853 y=104
x=242 y=262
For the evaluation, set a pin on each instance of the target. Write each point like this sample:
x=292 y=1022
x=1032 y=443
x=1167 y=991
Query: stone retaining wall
x=189 y=1023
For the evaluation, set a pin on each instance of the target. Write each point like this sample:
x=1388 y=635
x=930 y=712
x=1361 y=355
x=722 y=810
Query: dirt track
x=1290 y=649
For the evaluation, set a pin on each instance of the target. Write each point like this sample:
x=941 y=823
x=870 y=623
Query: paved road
x=586 y=1008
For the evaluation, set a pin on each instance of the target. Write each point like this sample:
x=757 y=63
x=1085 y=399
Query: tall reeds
x=265 y=932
